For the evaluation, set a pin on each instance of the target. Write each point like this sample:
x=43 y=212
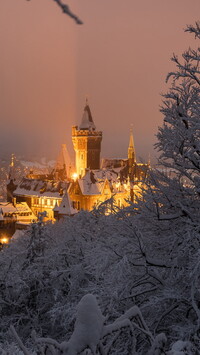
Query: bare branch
x=66 y=10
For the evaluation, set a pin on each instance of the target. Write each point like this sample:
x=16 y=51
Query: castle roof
x=87 y=120
x=94 y=181
x=90 y=184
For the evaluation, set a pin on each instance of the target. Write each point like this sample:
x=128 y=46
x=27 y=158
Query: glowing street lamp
x=74 y=176
x=4 y=240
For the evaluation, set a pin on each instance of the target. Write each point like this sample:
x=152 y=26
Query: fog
x=118 y=58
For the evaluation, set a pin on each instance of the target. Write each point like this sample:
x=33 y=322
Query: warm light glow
x=118 y=185
x=4 y=240
x=74 y=176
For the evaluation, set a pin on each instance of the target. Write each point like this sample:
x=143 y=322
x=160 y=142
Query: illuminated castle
x=91 y=182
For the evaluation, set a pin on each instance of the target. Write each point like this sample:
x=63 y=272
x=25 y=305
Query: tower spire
x=87 y=122
x=11 y=167
x=131 y=147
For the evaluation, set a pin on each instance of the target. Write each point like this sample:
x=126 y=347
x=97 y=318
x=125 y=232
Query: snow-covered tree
x=172 y=202
x=143 y=261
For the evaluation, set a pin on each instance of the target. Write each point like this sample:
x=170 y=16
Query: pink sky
x=119 y=58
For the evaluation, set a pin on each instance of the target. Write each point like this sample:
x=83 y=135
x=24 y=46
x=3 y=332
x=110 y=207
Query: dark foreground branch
x=66 y=9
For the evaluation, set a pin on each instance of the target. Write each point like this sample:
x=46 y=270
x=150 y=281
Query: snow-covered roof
x=111 y=175
x=90 y=185
x=18 y=209
x=65 y=207
x=87 y=120
x=94 y=181
x=37 y=187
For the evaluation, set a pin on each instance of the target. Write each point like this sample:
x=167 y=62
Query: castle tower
x=131 y=149
x=87 y=143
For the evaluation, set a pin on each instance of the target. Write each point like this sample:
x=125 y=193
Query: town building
x=14 y=215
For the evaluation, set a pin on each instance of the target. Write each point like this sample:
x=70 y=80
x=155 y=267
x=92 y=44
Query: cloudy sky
x=118 y=59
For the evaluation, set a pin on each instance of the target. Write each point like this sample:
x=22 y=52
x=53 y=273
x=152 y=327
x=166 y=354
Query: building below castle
x=87 y=183
x=14 y=215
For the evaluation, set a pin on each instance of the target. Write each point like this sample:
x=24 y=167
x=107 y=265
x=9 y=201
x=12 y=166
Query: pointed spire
x=131 y=141
x=149 y=160
x=63 y=162
x=87 y=120
x=131 y=147
x=11 y=167
x=12 y=160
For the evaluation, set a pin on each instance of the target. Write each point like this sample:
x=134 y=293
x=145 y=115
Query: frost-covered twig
x=126 y=321
x=163 y=315
x=158 y=345
x=46 y=341
x=194 y=305
x=18 y=340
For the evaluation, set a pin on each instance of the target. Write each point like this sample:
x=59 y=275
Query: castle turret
x=87 y=143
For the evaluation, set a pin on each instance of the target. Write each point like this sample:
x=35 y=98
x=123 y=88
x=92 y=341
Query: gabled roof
x=87 y=120
x=17 y=209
